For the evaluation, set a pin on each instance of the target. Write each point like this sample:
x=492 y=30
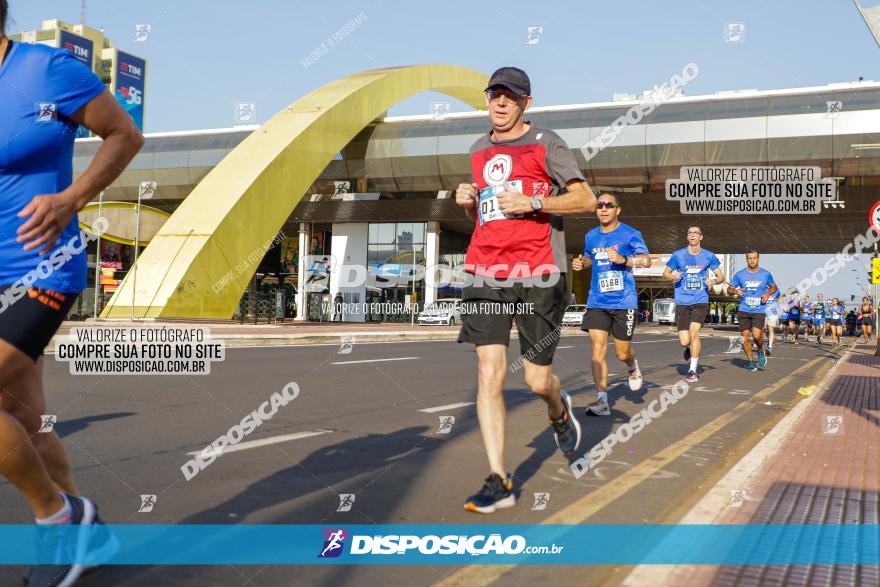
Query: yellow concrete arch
x=240 y=206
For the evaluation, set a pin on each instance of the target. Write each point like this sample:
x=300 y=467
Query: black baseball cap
x=512 y=78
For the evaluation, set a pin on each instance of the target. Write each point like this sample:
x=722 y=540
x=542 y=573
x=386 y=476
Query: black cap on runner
x=512 y=78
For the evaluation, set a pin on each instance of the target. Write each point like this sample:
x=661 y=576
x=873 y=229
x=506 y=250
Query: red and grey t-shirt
x=538 y=163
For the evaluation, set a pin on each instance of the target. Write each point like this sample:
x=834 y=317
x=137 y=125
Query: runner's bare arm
x=770 y=291
x=578 y=199
x=719 y=276
x=669 y=274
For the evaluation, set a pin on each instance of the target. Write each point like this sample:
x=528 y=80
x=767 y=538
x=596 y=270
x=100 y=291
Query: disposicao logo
x=334 y=542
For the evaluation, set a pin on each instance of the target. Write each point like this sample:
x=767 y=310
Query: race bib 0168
x=610 y=281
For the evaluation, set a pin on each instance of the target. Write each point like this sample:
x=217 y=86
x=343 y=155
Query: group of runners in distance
x=524 y=180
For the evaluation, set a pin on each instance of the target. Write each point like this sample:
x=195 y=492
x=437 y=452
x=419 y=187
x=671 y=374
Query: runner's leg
x=23 y=398
x=491 y=413
x=21 y=463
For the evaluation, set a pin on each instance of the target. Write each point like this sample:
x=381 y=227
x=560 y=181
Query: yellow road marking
x=585 y=507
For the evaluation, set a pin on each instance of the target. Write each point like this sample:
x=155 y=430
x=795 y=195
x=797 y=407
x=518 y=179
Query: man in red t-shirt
x=517 y=258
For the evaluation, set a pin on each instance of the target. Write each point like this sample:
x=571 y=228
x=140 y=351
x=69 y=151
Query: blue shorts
x=820 y=321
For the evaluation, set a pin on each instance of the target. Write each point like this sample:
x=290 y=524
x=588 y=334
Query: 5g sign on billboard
x=129 y=85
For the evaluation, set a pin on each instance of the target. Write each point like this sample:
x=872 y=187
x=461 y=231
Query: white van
x=664 y=311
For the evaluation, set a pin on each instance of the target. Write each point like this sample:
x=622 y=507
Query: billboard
x=129 y=82
x=82 y=49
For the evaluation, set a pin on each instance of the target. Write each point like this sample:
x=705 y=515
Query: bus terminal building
x=383 y=196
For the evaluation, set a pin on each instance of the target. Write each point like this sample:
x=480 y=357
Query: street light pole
x=137 y=243
x=98 y=255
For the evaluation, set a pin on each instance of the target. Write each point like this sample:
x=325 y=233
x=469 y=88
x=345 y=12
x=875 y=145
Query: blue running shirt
x=755 y=285
x=613 y=286
x=40 y=87
x=691 y=288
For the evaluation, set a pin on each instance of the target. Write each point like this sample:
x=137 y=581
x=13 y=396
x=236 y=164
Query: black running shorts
x=686 y=315
x=28 y=321
x=487 y=314
x=621 y=324
x=749 y=320
x=835 y=322
x=867 y=321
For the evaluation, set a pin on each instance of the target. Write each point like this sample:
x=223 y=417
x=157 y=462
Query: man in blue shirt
x=690 y=269
x=774 y=313
x=819 y=315
x=613 y=249
x=754 y=286
x=794 y=315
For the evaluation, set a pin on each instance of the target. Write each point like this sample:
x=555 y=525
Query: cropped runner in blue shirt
x=795 y=308
x=836 y=313
x=754 y=286
x=613 y=249
x=694 y=270
x=773 y=315
x=45 y=94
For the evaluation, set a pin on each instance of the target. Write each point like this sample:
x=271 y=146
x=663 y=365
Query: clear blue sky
x=206 y=55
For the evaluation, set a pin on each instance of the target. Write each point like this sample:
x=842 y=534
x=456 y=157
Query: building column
x=301 y=314
x=432 y=258
x=348 y=249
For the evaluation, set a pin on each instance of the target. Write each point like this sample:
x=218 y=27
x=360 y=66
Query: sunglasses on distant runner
x=606 y=204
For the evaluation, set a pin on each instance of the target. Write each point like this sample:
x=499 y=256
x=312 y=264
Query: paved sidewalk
x=819 y=465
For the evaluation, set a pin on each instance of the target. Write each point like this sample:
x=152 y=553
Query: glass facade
x=392 y=250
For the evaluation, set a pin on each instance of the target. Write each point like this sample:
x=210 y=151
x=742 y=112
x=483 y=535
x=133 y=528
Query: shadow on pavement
x=69 y=427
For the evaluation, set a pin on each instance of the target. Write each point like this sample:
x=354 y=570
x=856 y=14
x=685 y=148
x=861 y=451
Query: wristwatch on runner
x=537 y=203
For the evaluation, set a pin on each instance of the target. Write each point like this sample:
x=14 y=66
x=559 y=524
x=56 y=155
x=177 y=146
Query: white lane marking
x=264 y=442
x=447 y=407
x=650 y=341
x=566 y=347
x=373 y=361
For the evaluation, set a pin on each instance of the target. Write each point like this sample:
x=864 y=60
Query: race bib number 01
x=490 y=210
x=610 y=281
x=753 y=302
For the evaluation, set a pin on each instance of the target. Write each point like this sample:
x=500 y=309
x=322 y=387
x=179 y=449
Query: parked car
x=444 y=311
x=574 y=315
x=664 y=311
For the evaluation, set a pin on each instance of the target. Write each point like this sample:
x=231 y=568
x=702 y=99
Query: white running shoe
x=635 y=380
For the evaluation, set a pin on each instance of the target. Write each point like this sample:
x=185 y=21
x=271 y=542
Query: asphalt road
x=366 y=423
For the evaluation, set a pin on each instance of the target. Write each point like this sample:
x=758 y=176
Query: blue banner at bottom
x=353 y=544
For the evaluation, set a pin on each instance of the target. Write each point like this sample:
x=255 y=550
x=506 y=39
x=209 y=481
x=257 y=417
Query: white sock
x=603 y=396
x=694 y=361
x=62 y=516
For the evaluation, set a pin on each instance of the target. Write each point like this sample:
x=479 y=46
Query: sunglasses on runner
x=496 y=93
x=606 y=204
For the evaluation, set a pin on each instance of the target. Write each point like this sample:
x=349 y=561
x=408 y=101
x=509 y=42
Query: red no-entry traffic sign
x=874 y=216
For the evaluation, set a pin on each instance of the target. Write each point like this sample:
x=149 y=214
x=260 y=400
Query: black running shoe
x=496 y=493
x=91 y=547
x=566 y=428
